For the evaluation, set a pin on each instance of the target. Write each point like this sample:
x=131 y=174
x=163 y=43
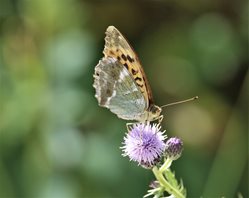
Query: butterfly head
x=154 y=112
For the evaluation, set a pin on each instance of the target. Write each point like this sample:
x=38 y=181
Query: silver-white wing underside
x=116 y=90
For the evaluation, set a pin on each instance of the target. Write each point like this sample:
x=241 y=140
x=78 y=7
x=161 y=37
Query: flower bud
x=173 y=149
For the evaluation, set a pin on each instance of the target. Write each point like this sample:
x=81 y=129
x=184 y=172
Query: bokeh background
x=56 y=142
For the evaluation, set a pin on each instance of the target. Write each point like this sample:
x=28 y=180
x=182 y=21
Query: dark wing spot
x=130 y=59
x=138 y=79
x=140 y=85
x=108 y=92
x=114 y=75
x=126 y=65
x=124 y=57
x=118 y=58
x=134 y=72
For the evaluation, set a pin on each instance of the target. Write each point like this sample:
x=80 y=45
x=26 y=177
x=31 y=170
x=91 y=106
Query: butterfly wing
x=117 y=91
x=116 y=46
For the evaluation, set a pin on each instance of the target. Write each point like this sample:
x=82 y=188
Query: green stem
x=168 y=187
x=165 y=165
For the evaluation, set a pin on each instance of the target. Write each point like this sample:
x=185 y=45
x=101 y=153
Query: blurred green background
x=56 y=142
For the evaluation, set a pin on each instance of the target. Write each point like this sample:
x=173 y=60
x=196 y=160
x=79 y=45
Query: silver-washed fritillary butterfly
x=120 y=81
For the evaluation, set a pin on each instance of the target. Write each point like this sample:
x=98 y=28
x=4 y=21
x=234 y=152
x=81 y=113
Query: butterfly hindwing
x=116 y=90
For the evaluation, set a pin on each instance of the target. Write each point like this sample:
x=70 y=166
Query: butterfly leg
x=129 y=126
x=160 y=119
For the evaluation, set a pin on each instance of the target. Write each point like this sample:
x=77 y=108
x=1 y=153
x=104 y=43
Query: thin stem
x=168 y=187
x=165 y=165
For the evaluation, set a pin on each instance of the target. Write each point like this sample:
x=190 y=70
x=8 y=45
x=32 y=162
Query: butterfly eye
x=155 y=109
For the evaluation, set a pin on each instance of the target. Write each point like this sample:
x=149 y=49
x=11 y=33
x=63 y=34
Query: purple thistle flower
x=174 y=147
x=144 y=143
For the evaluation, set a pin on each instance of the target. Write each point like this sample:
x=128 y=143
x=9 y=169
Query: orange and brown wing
x=116 y=46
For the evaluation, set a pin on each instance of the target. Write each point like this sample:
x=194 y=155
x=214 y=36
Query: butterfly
x=120 y=82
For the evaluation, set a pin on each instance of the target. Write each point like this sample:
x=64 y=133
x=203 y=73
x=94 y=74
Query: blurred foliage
x=55 y=141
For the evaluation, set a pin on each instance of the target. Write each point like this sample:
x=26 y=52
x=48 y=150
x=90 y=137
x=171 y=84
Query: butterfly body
x=120 y=82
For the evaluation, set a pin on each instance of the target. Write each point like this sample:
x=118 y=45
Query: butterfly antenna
x=180 y=102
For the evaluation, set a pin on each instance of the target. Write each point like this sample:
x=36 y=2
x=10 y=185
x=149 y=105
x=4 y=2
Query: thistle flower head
x=173 y=149
x=144 y=143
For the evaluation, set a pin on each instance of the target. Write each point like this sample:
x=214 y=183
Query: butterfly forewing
x=116 y=90
x=117 y=46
